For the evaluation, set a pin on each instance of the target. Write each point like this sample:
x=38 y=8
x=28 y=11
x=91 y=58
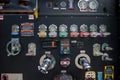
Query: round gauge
x=83 y=28
x=103 y=28
x=42 y=27
x=93 y=4
x=63 y=4
x=82 y=4
x=63 y=28
x=74 y=28
x=93 y=28
x=52 y=28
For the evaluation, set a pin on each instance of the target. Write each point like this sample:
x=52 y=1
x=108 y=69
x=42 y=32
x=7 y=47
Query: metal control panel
x=58 y=40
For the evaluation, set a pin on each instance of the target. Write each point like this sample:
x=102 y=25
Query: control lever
x=13 y=47
x=45 y=65
x=47 y=62
x=106 y=47
x=82 y=61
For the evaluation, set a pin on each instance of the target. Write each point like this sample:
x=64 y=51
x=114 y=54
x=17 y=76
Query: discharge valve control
x=84 y=62
x=47 y=62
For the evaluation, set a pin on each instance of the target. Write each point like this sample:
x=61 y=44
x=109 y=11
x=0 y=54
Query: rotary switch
x=47 y=62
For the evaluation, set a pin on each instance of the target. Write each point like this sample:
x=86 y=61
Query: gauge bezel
x=42 y=26
x=75 y=28
x=64 y=28
x=82 y=28
x=81 y=8
x=89 y=4
x=103 y=28
x=53 y=26
x=93 y=28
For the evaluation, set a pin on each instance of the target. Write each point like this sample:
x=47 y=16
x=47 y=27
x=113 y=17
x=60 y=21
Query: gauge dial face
x=103 y=28
x=52 y=28
x=63 y=4
x=74 y=28
x=42 y=27
x=93 y=28
x=82 y=4
x=93 y=4
x=83 y=28
x=63 y=28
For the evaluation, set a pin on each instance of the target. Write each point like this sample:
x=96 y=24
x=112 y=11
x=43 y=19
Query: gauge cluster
x=76 y=7
x=58 y=40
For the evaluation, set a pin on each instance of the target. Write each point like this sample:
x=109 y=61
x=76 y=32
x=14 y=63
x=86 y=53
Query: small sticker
x=11 y=76
x=27 y=29
x=1 y=17
x=90 y=75
x=15 y=30
x=31 y=17
x=1 y=7
x=100 y=75
x=65 y=62
x=65 y=46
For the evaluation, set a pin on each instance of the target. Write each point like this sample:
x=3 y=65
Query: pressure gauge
x=83 y=28
x=93 y=28
x=82 y=4
x=103 y=28
x=42 y=27
x=63 y=4
x=63 y=28
x=74 y=28
x=52 y=28
x=93 y=4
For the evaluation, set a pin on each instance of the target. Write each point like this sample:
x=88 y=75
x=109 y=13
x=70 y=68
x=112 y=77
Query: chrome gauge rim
x=93 y=4
x=93 y=28
x=83 y=28
x=63 y=28
x=42 y=27
x=103 y=28
x=52 y=28
x=82 y=4
x=74 y=28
